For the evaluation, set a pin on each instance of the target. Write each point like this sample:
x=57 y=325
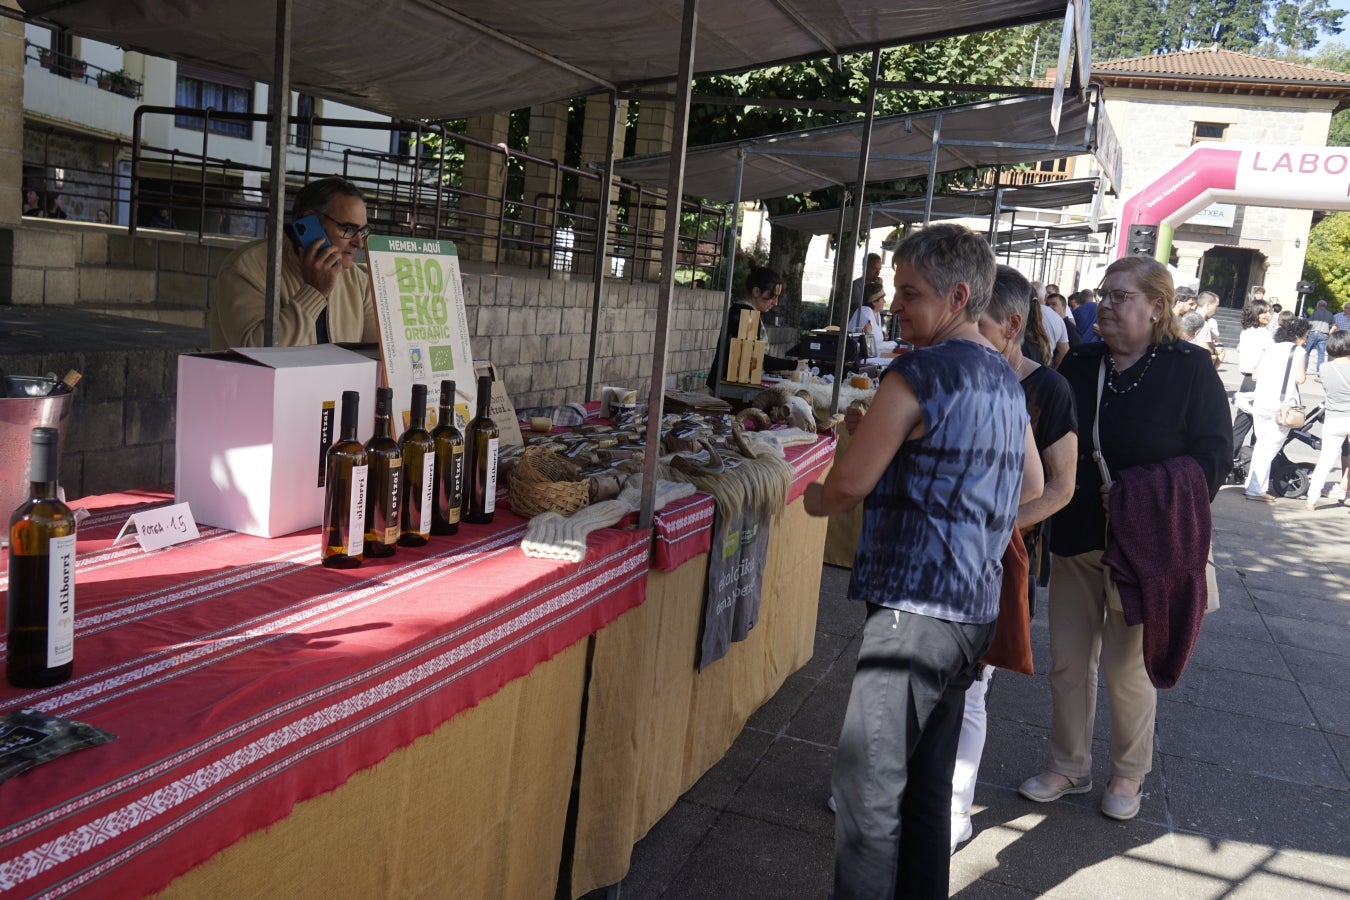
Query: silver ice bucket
x=19 y=415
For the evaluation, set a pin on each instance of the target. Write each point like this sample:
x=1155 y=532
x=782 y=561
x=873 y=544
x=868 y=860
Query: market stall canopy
x=1048 y=196
x=990 y=133
x=455 y=58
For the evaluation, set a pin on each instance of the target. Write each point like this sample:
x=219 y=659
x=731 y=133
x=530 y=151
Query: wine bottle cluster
x=390 y=492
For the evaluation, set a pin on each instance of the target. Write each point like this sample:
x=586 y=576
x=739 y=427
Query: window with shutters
x=200 y=88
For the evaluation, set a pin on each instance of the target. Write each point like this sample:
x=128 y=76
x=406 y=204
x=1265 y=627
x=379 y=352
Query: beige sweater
x=237 y=307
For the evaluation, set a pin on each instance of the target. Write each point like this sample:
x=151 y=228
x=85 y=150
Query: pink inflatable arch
x=1290 y=177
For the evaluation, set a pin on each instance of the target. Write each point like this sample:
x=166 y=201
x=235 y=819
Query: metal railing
x=509 y=209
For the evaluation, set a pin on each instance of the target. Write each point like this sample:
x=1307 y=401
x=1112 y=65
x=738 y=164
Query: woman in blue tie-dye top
x=938 y=464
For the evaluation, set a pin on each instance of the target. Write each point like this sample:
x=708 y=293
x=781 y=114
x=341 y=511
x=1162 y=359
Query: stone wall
x=537 y=332
x=102 y=269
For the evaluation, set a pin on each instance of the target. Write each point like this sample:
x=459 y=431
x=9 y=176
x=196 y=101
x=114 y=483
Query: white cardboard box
x=254 y=425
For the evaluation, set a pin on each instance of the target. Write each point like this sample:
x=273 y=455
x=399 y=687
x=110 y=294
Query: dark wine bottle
x=449 y=472
x=386 y=481
x=480 y=467
x=41 y=637
x=419 y=476
x=344 y=496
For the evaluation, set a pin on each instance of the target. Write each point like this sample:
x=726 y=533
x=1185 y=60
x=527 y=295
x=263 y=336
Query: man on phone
x=323 y=296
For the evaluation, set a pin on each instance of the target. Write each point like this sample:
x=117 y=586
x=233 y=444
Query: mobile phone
x=307 y=231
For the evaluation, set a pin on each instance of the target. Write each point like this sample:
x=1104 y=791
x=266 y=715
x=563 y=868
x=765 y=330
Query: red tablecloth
x=241 y=677
x=684 y=527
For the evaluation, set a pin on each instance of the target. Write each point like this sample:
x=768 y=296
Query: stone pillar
x=594 y=132
x=484 y=173
x=655 y=134
x=11 y=118
x=1188 y=259
x=548 y=140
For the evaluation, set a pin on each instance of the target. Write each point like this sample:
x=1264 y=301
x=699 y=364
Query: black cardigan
x=1179 y=408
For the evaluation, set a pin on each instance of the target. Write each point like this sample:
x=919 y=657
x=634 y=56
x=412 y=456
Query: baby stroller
x=1287 y=478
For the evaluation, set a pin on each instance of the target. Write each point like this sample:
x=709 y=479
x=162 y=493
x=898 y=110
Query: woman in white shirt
x=1278 y=374
x=867 y=318
x=1255 y=338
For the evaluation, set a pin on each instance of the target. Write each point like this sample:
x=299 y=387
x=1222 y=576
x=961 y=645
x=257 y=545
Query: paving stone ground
x=1250 y=793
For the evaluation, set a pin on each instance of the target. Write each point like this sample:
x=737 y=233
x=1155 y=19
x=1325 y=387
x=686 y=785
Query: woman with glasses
x=1143 y=397
x=323 y=295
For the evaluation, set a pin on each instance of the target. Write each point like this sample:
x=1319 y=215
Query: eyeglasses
x=349 y=230
x=1115 y=297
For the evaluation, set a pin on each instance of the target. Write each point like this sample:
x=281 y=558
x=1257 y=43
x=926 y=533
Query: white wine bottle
x=449 y=472
x=344 y=496
x=41 y=636
x=419 y=476
x=480 y=466
x=386 y=481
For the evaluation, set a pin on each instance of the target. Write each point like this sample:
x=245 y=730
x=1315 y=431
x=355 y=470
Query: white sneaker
x=962 y=831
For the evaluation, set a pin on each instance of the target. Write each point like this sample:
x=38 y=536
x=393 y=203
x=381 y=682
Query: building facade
x=1161 y=105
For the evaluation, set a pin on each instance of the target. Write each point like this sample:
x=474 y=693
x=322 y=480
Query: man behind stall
x=323 y=296
x=938 y=464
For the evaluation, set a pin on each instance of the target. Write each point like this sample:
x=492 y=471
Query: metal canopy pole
x=729 y=260
x=997 y=207
x=669 y=256
x=602 y=241
x=276 y=200
x=842 y=284
x=936 y=143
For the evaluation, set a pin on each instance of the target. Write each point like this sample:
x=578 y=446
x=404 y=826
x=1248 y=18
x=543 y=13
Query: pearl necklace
x=1112 y=373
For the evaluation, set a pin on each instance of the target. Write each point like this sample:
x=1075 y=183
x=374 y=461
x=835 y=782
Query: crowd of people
x=1034 y=438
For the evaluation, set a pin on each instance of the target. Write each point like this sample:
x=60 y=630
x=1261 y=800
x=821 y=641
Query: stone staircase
x=166 y=278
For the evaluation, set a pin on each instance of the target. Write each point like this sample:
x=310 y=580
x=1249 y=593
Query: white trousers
x=970 y=748
x=1269 y=440
x=1334 y=431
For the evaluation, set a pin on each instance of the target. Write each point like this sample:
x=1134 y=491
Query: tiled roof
x=1217 y=63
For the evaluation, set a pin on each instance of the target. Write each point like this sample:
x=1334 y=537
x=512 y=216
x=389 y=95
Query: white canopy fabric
x=455 y=58
x=990 y=133
x=1053 y=195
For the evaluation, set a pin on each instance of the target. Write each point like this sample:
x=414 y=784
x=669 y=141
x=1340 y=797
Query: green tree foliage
x=988 y=58
x=1328 y=260
x=1336 y=58
x=1299 y=25
x=1124 y=29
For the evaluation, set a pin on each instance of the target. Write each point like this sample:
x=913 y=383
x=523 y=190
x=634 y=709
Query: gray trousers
x=893 y=770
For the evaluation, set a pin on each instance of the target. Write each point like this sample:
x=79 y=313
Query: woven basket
x=543 y=481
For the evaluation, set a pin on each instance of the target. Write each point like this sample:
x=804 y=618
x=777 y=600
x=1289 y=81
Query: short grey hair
x=1191 y=323
x=946 y=255
x=1011 y=294
x=318 y=195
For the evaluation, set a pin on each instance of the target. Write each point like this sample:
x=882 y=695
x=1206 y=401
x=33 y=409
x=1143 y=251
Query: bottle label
x=61 y=601
x=456 y=484
x=387 y=514
x=423 y=519
x=356 y=523
x=490 y=481
x=327 y=413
